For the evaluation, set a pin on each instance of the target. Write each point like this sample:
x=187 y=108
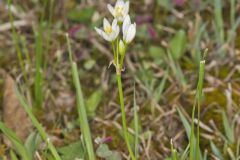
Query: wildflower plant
x=120 y=33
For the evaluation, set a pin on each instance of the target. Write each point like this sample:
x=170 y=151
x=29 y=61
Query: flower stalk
x=124 y=122
x=111 y=33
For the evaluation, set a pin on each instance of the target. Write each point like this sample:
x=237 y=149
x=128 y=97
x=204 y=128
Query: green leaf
x=159 y=89
x=166 y=4
x=219 y=21
x=216 y=151
x=157 y=52
x=174 y=152
x=103 y=151
x=227 y=127
x=32 y=143
x=93 y=101
x=81 y=106
x=142 y=32
x=16 y=142
x=38 y=126
x=178 y=44
x=72 y=151
x=114 y=156
x=185 y=123
x=83 y=15
x=137 y=125
x=13 y=155
x=190 y=134
x=148 y=134
x=89 y=64
x=185 y=153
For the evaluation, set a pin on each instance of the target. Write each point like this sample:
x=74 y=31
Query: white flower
x=109 y=32
x=129 y=30
x=120 y=11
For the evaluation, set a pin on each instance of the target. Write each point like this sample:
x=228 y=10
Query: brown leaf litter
x=14 y=115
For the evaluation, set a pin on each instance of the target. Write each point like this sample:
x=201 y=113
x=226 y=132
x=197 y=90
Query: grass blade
x=194 y=143
x=200 y=85
x=227 y=127
x=13 y=155
x=216 y=151
x=16 y=142
x=160 y=88
x=232 y=12
x=32 y=143
x=38 y=77
x=185 y=123
x=81 y=107
x=185 y=153
x=15 y=37
x=39 y=61
x=174 y=152
x=38 y=126
x=219 y=27
x=136 y=126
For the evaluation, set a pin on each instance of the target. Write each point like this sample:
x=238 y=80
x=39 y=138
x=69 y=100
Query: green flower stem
x=15 y=37
x=123 y=57
x=114 y=51
x=124 y=123
x=122 y=60
x=117 y=44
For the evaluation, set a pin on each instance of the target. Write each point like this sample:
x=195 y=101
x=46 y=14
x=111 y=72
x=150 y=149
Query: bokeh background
x=163 y=62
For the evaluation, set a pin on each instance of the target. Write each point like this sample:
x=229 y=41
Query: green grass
x=38 y=126
x=136 y=124
x=16 y=40
x=167 y=65
x=219 y=31
x=195 y=153
x=16 y=142
x=194 y=139
x=83 y=120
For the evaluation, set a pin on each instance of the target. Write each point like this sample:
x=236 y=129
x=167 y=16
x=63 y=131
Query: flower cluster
x=111 y=31
x=122 y=20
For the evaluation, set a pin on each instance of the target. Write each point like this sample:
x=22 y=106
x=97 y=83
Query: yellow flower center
x=119 y=11
x=108 y=29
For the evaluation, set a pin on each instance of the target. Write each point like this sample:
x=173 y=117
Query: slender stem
x=124 y=123
x=117 y=45
x=232 y=12
x=15 y=37
x=114 y=52
x=201 y=77
x=85 y=128
x=123 y=57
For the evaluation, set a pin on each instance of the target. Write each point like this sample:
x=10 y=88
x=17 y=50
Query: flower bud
x=121 y=47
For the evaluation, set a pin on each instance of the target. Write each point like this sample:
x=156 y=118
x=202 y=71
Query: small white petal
x=112 y=37
x=115 y=34
x=120 y=3
x=120 y=19
x=106 y=37
x=99 y=31
x=126 y=23
x=126 y=8
x=105 y=23
x=131 y=33
x=114 y=24
x=111 y=9
x=117 y=31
